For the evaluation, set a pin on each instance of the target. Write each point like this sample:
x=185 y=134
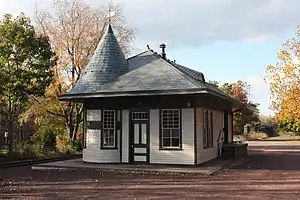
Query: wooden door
x=139 y=137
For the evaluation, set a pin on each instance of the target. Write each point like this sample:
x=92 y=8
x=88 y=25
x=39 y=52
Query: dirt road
x=272 y=171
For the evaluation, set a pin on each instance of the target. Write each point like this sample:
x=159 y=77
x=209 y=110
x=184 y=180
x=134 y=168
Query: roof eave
x=71 y=97
x=236 y=103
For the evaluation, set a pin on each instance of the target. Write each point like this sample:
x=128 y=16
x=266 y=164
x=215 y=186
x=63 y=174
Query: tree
x=26 y=62
x=284 y=81
x=75 y=29
x=240 y=91
x=214 y=83
x=267 y=120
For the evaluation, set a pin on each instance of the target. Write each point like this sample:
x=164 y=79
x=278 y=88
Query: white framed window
x=170 y=120
x=109 y=129
x=207 y=129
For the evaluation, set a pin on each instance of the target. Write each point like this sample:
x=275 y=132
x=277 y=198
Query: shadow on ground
x=92 y=185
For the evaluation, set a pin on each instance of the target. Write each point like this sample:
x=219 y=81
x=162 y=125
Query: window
x=139 y=115
x=109 y=129
x=207 y=129
x=170 y=128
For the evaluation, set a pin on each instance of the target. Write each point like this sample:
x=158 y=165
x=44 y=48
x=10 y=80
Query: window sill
x=170 y=149
x=109 y=148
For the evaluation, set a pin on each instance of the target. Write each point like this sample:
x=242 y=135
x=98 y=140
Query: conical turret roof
x=107 y=63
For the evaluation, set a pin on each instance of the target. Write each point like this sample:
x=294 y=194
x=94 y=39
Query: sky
x=226 y=40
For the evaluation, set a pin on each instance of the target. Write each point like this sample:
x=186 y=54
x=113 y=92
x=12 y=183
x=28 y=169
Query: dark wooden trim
x=140 y=145
x=232 y=128
x=131 y=147
x=120 y=135
x=160 y=130
x=131 y=138
x=210 y=114
x=225 y=121
x=205 y=101
x=212 y=128
x=195 y=136
x=148 y=138
x=109 y=148
x=180 y=132
x=140 y=154
x=102 y=129
x=84 y=128
x=170 y=149
x=93 y=125
x=140 y=134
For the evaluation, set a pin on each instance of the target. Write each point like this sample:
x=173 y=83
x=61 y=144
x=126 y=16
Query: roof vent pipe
x=163 y=52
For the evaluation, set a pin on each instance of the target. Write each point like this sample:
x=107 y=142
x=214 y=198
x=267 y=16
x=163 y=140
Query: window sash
x=207 y=129
x=170 y=128
x=109 y=128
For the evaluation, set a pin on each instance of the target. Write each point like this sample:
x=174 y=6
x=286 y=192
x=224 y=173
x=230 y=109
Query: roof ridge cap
x=139 y=54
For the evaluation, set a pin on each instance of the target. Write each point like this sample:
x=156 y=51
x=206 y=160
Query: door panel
x=144 y=133
x=140 y=150
x=136 y=133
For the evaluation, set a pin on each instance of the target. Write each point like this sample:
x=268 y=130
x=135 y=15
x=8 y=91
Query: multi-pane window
x=109 y=128
x=170 y=128
x=207 y=129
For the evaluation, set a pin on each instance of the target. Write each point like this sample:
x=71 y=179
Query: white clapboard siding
x=207 y=154
x=92 y=153
x=186 y=156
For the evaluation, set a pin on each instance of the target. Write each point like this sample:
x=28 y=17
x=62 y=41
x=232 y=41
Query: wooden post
x=225 y=118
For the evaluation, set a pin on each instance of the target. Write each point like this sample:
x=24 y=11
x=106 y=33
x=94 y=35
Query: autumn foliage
x=240 y=91
x=285 y=84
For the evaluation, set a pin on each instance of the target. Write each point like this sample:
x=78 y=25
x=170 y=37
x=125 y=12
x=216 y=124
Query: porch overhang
x=198 y=92
x=80 y=96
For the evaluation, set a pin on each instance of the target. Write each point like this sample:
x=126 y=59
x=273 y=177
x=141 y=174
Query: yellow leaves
x=284 y=79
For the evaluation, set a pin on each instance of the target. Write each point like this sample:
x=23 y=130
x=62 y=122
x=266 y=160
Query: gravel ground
x=264 y=175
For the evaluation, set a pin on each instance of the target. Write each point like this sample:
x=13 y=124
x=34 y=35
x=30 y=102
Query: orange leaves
x=240 y=91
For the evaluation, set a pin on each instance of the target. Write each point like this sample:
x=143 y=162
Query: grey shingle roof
x=149 y=72
x=107 y=63
x=109 y=74
x=192 y=73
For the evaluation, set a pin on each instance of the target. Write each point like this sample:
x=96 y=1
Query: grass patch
x=255 y=136
x=250 y=136
x=287 y=134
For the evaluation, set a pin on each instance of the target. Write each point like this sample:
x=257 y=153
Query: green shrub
x=287 y=133
x=65 y=145
x=27 y=149
x=289 y=127
x=45 y=137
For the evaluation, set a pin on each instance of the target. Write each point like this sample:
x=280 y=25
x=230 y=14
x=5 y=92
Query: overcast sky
x=227 y=40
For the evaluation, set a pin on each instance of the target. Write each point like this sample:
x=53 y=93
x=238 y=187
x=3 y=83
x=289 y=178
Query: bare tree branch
x=75 y=29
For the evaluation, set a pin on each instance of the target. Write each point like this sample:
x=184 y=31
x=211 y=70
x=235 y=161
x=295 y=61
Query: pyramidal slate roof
x=107 y=64
x=109 y=74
